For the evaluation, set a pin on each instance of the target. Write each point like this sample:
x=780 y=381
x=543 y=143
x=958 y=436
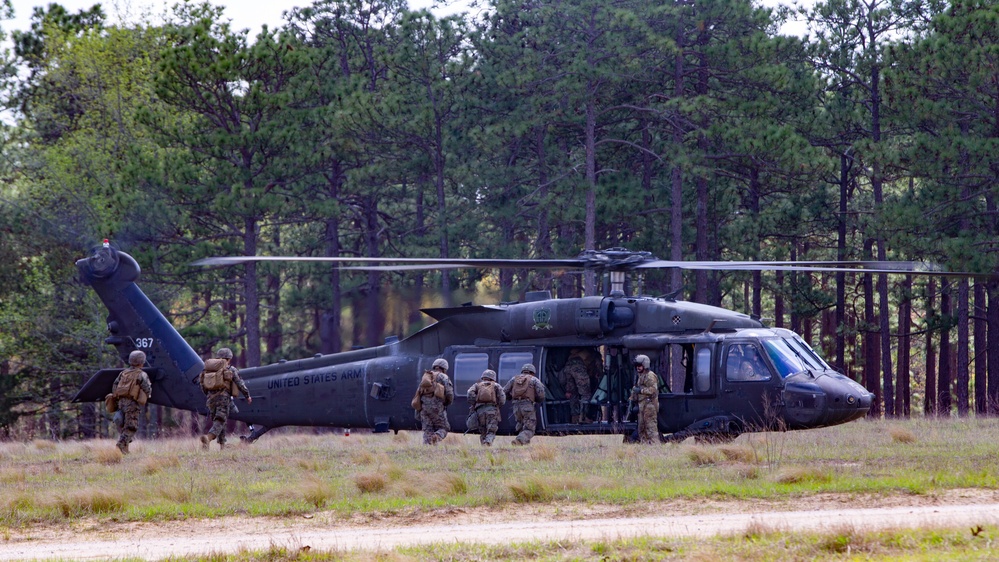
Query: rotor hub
x=614 y=259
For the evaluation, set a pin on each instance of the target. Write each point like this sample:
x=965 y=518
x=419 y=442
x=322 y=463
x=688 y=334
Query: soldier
x=433 y=395
x=646 y=394
x=525 y=390
x=486 y=398
x=576 y=378
x=132 y=389
x=221 y=382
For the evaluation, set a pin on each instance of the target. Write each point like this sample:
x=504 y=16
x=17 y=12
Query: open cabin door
x=588 y=388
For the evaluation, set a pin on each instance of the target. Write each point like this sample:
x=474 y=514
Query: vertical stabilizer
x=135 y=323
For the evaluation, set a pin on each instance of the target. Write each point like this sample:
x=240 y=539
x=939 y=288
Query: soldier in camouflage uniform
x=576 y=379
x=646 y=394
x=219 y=401
x=132 y=389
x=433 y=409
x=525 y=390
x=486 y=398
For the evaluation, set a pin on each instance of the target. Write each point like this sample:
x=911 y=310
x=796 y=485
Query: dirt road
x=324 y=531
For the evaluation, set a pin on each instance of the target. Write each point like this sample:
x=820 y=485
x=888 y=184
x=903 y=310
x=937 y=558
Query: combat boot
x=206 y=439
x=221 y=445
x=123 y=447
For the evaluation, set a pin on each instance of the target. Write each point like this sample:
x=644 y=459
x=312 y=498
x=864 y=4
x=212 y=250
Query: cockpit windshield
x=792 y=355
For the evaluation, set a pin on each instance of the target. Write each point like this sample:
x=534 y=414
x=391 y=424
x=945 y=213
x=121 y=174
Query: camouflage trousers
x=130 y=411
x=488 y=423
x=527 y=420
x=579 y=401
x=218 y=414
x=433 y=418
x=648 y=422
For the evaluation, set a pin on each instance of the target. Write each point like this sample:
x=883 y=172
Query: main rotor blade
x=879 y=267
x=429 y=263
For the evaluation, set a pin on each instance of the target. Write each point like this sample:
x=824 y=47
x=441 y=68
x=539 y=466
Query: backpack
x=485 y=393
x=216 y=376
x=429 y=386
x=522 y=388
x=128 y=384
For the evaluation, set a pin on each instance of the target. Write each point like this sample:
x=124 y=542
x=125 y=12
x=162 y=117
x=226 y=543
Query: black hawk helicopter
x=701 y=352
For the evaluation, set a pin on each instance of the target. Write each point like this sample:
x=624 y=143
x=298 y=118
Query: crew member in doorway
x=576 y=381
x=646 y=394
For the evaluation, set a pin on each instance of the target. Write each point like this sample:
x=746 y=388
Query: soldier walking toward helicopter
x=221 y=382
x=433 y=395
x=131 y=389
x=485 y=398
x=646 y=394
x=525 y=390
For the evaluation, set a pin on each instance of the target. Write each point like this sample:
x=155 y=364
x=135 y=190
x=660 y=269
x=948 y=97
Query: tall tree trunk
x=844 y=178
x=274 y=336
x=981 y=357
x=779 y=301
x=375 y=317
x=589 y=277
x=963 y=341
x=415 y=316
x=543 y=241
x=252 y=319
x=930 y=390
x=944 y=373
x=676 y=173
x=329 y=328
x=330 y=340
x=993 y=348
x=871 y=359
x=904 y=401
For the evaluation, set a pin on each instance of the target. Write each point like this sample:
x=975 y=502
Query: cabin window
x=468 y=369
x=510 y=364
x=702 y=369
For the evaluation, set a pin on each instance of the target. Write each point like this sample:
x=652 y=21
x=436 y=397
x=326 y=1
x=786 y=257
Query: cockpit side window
x=743 y=362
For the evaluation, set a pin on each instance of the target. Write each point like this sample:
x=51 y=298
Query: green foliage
x=534 y=130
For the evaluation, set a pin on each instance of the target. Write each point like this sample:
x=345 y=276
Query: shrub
x=371 y=482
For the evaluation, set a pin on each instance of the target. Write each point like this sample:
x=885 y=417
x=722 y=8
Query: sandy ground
x=88 y=540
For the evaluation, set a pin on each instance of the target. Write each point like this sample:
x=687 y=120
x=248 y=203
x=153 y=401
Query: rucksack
x=129 y=387
x=128 y=384
x=522 y=388
x=216 y=376
x=486 y=393
x=429 y=386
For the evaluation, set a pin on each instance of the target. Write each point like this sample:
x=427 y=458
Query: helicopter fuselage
x=722 y=372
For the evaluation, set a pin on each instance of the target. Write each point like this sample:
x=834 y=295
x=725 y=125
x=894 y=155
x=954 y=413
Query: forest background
x=692 y=129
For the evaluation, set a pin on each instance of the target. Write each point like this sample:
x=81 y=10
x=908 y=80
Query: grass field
x=42 y=482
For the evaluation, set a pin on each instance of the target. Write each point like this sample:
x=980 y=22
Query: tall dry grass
x=288 y=474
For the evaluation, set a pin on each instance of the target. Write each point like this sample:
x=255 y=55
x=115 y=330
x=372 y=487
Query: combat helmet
x=136 y=358
x=642 y=360
x=442 y=363
x=489 y=375
x=529 y=368
x=223 y=353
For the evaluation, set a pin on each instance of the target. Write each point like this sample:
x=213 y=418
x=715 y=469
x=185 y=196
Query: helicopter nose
x=824 y=399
